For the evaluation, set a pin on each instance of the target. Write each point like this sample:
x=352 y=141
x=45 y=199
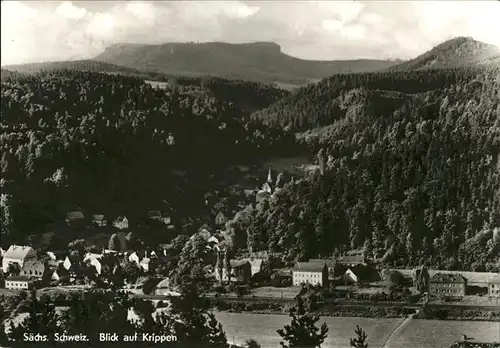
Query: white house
x=60 y=273
x=350 y=275
x=313 y=273
x=134 y=258
x=18 y=283
x=18 y=254
x=51 y=255
x=121 y=223
x=93 y=259
x=145 y=263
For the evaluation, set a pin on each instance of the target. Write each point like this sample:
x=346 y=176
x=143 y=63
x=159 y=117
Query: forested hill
x=247 y=95
x=260 y=61
x=109 y=144
x=457 y=52
x=360 y=96
x=410 y=170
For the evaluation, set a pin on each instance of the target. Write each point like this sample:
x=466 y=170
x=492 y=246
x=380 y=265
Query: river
x=382 y=332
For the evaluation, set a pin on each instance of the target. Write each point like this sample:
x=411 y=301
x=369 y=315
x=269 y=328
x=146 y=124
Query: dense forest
x=409 y=161
x=410 y=172
x=111 y=144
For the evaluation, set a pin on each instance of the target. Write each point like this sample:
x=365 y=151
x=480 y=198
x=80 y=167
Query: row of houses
x=62 y=266
x=319 y=272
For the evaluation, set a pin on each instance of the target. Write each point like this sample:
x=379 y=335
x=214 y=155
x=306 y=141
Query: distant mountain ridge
x=457 y=52
x=260 y=61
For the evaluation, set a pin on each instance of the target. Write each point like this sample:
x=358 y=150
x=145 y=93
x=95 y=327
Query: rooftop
x=448 y=278
x=18 y=278
x=309 y=266
x=19 y=252
x=74 y=215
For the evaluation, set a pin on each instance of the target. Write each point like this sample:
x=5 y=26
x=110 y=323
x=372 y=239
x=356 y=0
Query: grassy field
x=294 y=165
x=269 y=291
x=412 y=334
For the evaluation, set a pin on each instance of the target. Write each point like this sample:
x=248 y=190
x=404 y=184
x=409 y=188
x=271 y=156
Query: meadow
x=412 y=333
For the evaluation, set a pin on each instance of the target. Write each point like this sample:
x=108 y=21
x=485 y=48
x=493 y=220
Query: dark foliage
x=360 y=340
x=302 y=331
x=111 y=144
x=413 y=185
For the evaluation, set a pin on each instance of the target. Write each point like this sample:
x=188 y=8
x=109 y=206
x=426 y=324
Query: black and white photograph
x=250 y=174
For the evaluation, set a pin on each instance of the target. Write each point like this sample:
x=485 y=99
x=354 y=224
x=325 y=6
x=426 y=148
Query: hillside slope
x=114 y=144
x=410 y=162
x=457 y=52
x=331 y=99
x=253 y=61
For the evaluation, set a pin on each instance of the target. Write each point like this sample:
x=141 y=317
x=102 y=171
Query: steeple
x=269 y=176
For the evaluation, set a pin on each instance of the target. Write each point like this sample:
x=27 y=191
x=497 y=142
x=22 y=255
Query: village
x=123 y=262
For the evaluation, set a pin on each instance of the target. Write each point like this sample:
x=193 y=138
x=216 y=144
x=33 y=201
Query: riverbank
x=361 y=311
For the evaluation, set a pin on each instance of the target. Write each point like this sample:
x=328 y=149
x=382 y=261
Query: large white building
x=18 y=283
x=314 y=273
x=18 y=254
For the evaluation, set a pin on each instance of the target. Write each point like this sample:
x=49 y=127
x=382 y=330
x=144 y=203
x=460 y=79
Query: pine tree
x=194 y=325
x=360 y=340
x=302 y=331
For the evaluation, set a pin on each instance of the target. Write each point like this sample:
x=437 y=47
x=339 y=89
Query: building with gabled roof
x=330 y=263
x=34 y=269
x=99 y=220
x=121 y=223
x=314 y=273
x=18 y=254
x=220 y=219
x=451 y=285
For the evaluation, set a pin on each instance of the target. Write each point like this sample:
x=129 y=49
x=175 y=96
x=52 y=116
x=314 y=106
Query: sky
x=35 y=31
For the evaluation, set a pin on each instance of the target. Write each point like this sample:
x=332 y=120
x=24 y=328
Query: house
x=158 y=216
x=94 y=260
x=75 y=219
x=220 y=219
x=99 y=220
x=494 y=286
x=33 y=269
x=353 y=258
x=163 y=287
x=451 y=285
x=256 y=266
x=241 y=271
x=330 y=263
x=121 y=223
x=361 y=273
x=51 y=256
x=18 y=254
x=60 y=274
x=133 y=257
x=18 y=283
x=145 y=263
x=314 y=273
